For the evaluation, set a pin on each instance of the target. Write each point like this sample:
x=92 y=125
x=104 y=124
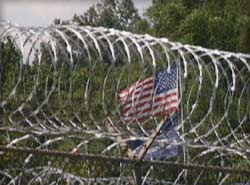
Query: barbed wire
x=60 y=89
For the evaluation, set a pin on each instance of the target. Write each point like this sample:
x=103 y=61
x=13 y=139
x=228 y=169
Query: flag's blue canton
x=165 y=80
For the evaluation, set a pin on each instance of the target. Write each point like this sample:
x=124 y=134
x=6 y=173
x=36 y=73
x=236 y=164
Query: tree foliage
x=222 y=24
x=119 y=14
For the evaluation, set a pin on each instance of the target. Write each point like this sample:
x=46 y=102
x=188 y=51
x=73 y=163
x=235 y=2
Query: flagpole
x=181 y=112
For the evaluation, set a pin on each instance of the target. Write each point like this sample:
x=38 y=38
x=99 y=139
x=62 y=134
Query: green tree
x=120 y=14
x=166 y=18
x=214 y=24
x=245 y=34
x=194 y=29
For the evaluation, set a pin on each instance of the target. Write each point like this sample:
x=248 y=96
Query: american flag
x=154 y=96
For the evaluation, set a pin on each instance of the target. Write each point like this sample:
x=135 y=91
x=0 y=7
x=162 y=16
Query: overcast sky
x=43 y=12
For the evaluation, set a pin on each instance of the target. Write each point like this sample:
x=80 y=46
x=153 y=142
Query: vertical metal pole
x=138 y=174
x=1 y=68
x=181 y=115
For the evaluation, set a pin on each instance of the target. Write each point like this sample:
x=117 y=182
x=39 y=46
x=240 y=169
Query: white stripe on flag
x=148 y=103
x=142 y=100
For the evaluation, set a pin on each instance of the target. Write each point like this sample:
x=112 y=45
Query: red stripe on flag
x=151 y=109
x=126 y=92
x=149 y=100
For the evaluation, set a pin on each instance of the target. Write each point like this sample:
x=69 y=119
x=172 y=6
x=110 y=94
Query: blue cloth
x=166 y=144
x=170 y=123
